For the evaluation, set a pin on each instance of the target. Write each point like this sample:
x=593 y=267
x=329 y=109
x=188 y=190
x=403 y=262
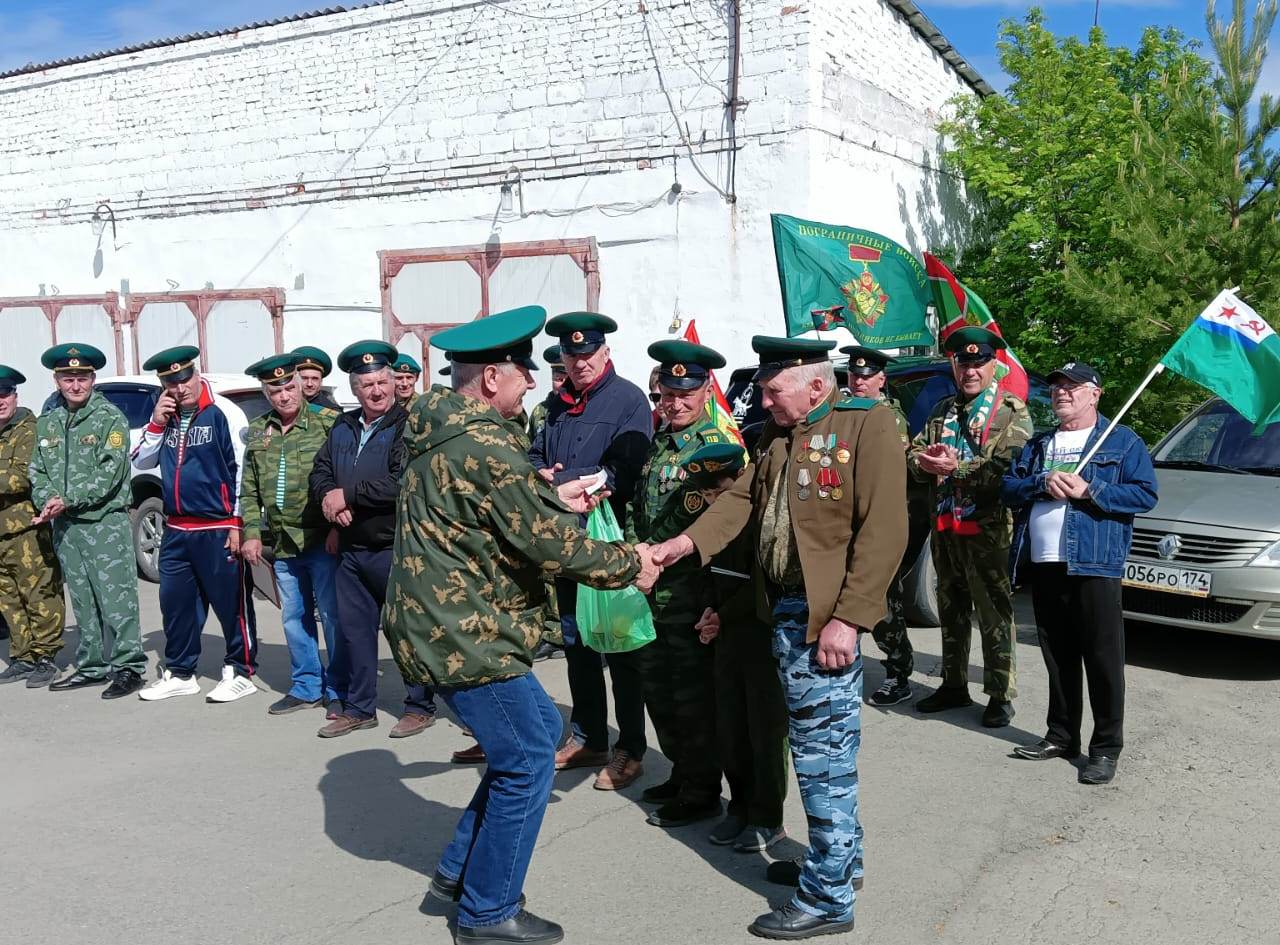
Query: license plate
x=1173 y=580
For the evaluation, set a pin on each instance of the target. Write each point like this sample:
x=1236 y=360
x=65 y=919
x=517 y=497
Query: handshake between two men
x=584 y=494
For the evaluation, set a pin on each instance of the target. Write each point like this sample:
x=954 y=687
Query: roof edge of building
x=917 y=20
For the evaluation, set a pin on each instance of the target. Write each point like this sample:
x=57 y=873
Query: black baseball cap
x=1077 y=372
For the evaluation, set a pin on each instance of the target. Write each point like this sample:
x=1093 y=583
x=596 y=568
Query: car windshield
x=1216 y=437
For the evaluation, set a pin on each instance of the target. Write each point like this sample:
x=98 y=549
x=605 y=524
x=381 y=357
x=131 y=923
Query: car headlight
x=1268 y=557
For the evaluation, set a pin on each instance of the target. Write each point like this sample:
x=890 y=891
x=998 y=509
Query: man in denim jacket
x=1071 y=535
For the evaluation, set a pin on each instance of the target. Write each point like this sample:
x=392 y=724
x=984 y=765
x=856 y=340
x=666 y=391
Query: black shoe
x=997 y=714
x=1100 y=770
x=662 y=793
x=1044 y=750
x=76 y=680
x=126 y=683
x=290 y=704
x=523 y=928
x=43 y=673
x=17 y=670
x=449 y=891
x=728 y=830
x=792 y=922
x=947 y=697
x=547 y=651
x=680 y=813
x=891 y=692
x=787 y=873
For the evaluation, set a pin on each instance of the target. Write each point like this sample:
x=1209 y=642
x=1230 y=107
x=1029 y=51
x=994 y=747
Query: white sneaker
x=170 y=685
x=233 y=687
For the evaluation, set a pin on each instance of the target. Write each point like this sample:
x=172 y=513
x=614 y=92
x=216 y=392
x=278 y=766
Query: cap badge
x=367 y=358
x=73 y=350
x=174 y=366
x=679 y=370
x=279 y=372
x=577 y=337
x=861 y=362
x=971 y=349
x=73 y=362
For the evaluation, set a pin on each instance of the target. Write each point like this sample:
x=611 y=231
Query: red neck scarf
x=578 y=402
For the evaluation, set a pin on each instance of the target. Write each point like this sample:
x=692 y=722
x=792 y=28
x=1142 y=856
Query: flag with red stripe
x=718 y=406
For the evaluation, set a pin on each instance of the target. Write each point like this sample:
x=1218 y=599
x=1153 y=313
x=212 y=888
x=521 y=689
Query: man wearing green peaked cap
x=313 y=367
x=476 y=530
x=30 y=578
x=676 y=669
x=405 y=371
x=966 y=446
x=282 y=519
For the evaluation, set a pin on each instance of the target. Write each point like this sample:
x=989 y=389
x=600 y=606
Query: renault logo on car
x=1168 y=547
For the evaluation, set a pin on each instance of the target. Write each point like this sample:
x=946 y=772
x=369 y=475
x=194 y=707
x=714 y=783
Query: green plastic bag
x=612 y=621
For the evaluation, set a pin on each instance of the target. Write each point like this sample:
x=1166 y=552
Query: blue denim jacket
x=1122 y=483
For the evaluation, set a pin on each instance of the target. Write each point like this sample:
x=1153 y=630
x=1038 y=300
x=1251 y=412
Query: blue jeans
x=825 y=730
x=518 y=726
x=308 y=583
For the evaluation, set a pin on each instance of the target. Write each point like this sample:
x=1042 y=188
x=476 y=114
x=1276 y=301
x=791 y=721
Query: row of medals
x=826 y=451
x=671 y=477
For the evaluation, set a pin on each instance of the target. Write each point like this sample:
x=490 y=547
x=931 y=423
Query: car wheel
x=920 y=589
x=148 y=531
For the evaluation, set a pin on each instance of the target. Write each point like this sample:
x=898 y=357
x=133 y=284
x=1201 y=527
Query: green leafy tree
x=1043 y=163
x=1196 y=210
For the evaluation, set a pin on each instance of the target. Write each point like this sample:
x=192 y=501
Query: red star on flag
x=1227 y=312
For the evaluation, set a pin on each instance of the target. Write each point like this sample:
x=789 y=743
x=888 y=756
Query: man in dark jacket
x=356 y=480
x=597 y=421
x=1072 y=528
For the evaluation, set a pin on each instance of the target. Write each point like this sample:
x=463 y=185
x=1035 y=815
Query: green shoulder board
x=323 y=411
x=856 y=403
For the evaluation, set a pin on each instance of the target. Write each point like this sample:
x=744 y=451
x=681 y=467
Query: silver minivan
x=1207 y=557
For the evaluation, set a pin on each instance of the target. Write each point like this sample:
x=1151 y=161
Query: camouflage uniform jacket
x=537 y=418
x=476 y=531
x=17 y=441
x=292 y=523
x=663 y=506
x=83 y=456
x=976 y=483
x=904 y=431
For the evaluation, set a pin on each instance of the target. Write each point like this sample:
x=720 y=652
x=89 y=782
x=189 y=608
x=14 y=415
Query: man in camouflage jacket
x=80 y=482
x=966 y=446
x=476 y=531
x=30 y=579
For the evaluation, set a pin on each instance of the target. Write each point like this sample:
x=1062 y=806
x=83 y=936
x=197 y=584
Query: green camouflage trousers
x=973 y=575
x=677 y=673
x=31 y=595
x=751 y=722
x=102 y=579
x=890 y=634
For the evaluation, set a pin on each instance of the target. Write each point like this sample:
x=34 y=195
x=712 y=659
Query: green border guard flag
x=840 y=276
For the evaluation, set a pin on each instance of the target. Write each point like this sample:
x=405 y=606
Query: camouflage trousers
x=973 y=575
x=825 y=725
x=890 y=634
x=677 y=674
x=751 y=722
x=31 y=595
x=102 y=579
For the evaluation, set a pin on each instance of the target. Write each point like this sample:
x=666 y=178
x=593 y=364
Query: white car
x=240 y=398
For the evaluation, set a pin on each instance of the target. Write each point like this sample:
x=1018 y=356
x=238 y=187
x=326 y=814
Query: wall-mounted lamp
x=512 y=182
x=100 y=220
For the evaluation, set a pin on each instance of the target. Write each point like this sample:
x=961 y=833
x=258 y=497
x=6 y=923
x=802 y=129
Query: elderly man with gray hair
x=1072 y=529
x=825 y=502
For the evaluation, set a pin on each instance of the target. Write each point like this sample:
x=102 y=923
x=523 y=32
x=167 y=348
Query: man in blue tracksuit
x=200 y=567
x=597 y=420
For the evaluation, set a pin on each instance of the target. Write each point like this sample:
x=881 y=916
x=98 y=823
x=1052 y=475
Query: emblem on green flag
x=841 y=276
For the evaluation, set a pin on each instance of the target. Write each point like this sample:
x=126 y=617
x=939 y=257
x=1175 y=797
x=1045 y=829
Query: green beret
x=73 y=356
x=363 y=357
x=404 y=364
x=173 y=365
x=581 y=332
x=277 y=369
x=505 y=336
x=683 y=365
x=314 y=358
x=713 y=461
x=973 y=345
x=779 y=353
x=866 y=362
x=10 y=377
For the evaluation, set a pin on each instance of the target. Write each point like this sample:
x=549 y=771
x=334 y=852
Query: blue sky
x=42 y=30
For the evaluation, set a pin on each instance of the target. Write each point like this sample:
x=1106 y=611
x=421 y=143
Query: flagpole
x=1115 y=421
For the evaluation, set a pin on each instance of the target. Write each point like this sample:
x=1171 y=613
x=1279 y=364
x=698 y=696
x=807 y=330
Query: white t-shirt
x=1048 y=516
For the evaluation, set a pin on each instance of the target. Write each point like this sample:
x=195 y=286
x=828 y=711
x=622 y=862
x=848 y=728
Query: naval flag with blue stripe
x=1233 y=352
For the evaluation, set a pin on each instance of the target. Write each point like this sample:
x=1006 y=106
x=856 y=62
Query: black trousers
x=1081 y=624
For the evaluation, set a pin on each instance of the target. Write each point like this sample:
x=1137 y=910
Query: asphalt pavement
x=183 y=821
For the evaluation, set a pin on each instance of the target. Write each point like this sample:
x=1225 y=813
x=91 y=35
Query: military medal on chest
x=816 y=444
x=803 y=479
x=842 y=452
x=829 y=483
x=828 y=447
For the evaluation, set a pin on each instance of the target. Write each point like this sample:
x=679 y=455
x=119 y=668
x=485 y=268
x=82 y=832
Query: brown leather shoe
x=411 y=723
x=345 y=724
x=469 y=756
x=621 y=771
x=574 y=754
